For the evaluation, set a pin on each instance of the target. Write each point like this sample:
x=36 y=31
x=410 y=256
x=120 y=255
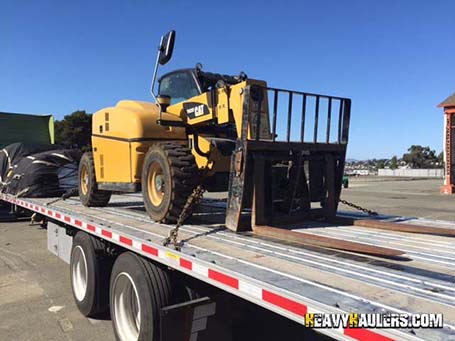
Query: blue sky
x=394 y=58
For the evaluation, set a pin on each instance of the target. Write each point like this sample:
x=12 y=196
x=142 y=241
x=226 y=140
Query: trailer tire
x=138 y=291
x=90 y=269
x=89 y=193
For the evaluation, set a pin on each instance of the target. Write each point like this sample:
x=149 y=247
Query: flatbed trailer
x=287 y=279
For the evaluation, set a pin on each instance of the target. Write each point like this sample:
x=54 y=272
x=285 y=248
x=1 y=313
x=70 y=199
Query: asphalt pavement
x=401 y=197
x=36 y=302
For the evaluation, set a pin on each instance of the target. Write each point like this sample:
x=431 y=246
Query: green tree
x=420 y=157
x=380 y=164
x=394 y=162
x=74 y=130
x=441 y=159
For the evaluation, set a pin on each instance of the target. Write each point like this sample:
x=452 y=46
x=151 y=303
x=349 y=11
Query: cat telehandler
x=279 y=153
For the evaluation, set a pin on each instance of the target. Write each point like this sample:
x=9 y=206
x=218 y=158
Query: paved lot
x=35 y=294
x=415 y=198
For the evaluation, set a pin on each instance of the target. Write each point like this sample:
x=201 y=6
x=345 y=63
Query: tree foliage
x=416 y=157
x=420 y=157
x=394 y=162
x=74 y=130
x=441 y=158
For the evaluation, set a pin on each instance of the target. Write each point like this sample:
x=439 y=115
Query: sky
x=394 y=58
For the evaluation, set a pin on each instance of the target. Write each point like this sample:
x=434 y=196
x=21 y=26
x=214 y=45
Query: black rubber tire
x=99 y=265
x=93 y=196
x=154 y=291
x=179 y=170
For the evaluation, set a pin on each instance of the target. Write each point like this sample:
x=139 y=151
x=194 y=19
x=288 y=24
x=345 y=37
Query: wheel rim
x=156 y=185
x=84 y=179
x=79 y=273
x=126 y=307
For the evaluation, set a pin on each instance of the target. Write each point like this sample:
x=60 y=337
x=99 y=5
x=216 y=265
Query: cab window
x=180 y=86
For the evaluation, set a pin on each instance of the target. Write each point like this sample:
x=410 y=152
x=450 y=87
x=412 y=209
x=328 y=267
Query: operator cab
x=181 y=85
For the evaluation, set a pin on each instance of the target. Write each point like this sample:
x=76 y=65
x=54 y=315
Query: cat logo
x=194 y=110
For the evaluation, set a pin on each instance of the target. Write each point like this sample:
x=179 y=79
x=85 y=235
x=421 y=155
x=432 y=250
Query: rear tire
x=138 y=291
x=89 y=193
x=169 y=176
x=89 y=271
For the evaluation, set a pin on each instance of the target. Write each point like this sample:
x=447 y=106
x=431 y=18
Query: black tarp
x=11 y=154
x=38 y=171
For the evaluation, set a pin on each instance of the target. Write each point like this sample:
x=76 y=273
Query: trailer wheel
x=169 y=176
x=89 y=272
x=88 y=189
x=138 y=290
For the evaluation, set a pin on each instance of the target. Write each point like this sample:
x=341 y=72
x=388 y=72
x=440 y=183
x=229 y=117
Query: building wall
x=415 y=173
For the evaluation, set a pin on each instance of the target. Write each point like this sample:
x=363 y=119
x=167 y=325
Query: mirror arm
x=155 y=72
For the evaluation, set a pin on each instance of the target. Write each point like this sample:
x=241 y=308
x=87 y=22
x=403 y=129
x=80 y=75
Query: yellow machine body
x=121 y=136
x=229 y=101
x=227 y=110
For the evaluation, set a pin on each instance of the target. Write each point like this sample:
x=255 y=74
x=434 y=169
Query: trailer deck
x=289 y=279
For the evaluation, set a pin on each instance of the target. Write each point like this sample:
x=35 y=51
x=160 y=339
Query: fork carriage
x=276 y=170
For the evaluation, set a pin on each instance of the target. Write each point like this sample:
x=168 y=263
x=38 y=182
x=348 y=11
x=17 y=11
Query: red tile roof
x=448 y=102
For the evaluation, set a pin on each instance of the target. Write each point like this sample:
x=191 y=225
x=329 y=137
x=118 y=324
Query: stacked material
x=38 y=170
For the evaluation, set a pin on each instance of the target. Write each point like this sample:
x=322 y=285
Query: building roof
x=448 y=102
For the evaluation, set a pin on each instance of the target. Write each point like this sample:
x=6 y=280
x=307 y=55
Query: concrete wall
x=416 y=173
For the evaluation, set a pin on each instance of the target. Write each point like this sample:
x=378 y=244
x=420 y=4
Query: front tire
x=89 y=193
x=169 y=176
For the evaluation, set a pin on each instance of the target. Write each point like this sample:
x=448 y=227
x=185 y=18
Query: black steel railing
x=323 y=108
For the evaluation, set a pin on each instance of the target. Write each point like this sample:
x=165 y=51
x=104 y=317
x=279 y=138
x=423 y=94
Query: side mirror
x=164 y=55
x=166 y=47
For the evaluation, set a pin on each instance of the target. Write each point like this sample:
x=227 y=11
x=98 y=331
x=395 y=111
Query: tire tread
x=95 y=197
x=184 y=173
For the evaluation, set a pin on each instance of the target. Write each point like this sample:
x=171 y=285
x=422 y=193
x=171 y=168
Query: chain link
x=357 y=207
x=69 y=193
x=192 y=200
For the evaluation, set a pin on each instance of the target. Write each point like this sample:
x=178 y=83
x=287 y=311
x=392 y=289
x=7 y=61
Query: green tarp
x=26 y=128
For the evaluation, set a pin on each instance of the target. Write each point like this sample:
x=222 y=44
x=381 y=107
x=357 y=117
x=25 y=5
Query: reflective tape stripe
x=365 y=334
x=186 y=264
x=284 y=303
x=126 y=240
x=222 y=278
x=106 y=233
x=149 y=249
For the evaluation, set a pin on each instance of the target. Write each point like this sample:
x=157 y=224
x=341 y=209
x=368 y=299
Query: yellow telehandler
x=278 y=152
